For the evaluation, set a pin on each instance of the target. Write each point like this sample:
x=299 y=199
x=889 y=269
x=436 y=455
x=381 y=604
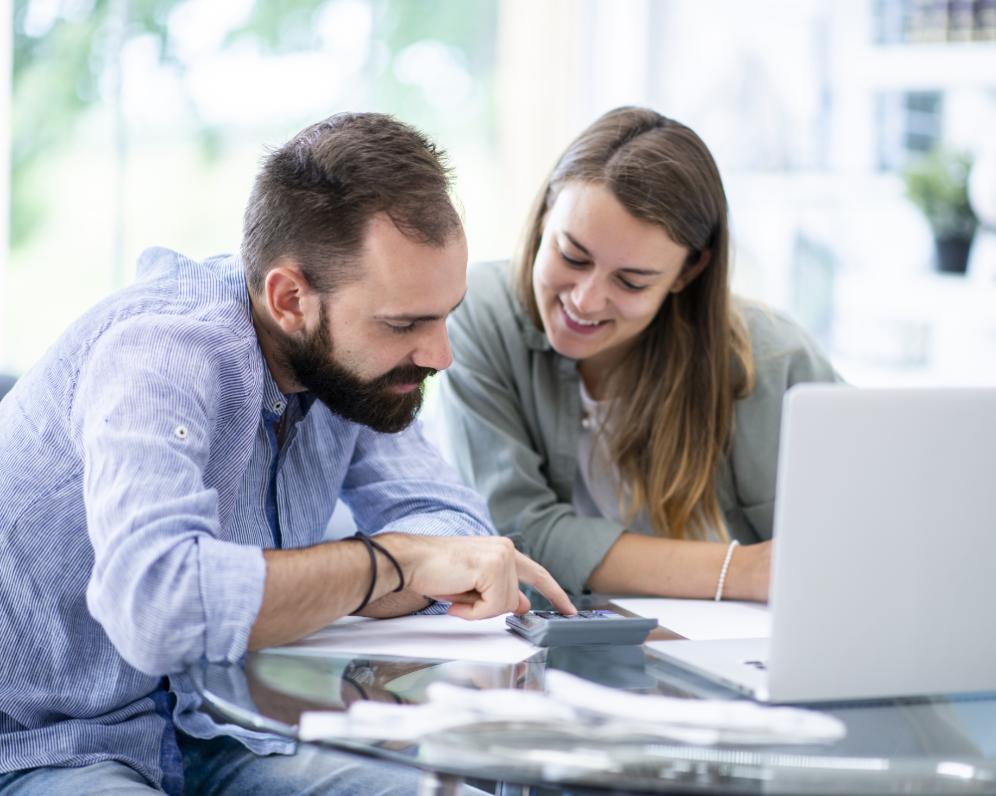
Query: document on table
x=697 y=620
x=436 y=637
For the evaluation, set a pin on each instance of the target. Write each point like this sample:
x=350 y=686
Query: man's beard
x=370 y=403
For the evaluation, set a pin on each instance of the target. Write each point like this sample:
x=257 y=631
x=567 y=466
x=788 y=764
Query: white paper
x=698 y=620
x=437 y=637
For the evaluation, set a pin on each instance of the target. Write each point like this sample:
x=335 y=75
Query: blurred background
x=857 y=140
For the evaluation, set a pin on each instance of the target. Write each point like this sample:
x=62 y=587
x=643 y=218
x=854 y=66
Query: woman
x=615 y=405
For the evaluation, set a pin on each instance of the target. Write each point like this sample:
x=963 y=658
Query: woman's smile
x=577 y=324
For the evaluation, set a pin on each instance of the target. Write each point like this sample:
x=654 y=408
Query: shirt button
x=278 y=407
x=180 y=432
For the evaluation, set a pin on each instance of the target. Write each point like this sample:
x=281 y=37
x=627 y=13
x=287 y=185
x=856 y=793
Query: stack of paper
x=438 y=637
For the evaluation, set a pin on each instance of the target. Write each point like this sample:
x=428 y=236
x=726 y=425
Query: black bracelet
x=393 y=560
x=359 y=688
x=373 y=570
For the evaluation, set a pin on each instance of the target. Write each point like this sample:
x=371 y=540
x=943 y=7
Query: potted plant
x=938 y=184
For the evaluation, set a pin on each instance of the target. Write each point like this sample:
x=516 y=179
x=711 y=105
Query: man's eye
x=401 y=328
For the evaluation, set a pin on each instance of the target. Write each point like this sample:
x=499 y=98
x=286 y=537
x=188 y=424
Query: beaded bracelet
x=722 y=572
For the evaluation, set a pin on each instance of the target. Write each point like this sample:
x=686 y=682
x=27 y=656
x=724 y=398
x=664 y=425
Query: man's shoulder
x=212 y=290
x=180 y=316
x=176 y=302
x=160 y=334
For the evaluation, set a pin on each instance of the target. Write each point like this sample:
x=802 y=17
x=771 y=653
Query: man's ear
x=288 y=295
x=691 y=271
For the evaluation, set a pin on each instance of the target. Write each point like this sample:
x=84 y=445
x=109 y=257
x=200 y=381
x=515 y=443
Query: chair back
x=6 y=382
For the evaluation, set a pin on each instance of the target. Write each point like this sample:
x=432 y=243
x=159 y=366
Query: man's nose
x=434 y=351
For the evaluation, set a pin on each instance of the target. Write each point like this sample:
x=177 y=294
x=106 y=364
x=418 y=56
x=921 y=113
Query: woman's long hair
x=672 y=395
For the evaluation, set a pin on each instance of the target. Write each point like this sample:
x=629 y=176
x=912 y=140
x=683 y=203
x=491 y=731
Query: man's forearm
x=396 y=604
x=310 y=587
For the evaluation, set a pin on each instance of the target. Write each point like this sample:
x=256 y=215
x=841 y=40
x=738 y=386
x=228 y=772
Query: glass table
x=928 y=745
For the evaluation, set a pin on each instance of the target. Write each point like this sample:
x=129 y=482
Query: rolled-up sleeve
x=165 y=588
x=400 y=483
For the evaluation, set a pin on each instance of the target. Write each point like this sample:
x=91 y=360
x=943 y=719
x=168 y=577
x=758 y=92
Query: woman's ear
x=691 y=271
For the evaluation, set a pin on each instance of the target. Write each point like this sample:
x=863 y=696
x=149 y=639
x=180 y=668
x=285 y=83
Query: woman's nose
x=587 y=295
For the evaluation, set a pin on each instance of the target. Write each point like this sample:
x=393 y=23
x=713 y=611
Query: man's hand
x=306 y=588
x=479 y=575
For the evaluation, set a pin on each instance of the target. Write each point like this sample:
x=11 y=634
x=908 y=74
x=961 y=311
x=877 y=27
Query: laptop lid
x=885 y=525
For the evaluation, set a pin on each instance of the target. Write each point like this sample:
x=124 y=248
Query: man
x=170 y=466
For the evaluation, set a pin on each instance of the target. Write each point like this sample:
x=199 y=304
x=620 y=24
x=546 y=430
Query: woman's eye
x=631 y=286
x=402 y=328
x=572 y=262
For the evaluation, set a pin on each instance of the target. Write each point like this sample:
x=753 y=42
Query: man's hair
x=314 y=197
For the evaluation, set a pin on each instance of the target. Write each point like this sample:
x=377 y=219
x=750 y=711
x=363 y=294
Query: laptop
x=883 y=580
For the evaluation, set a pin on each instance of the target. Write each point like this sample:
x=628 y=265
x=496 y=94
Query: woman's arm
x=647 y=565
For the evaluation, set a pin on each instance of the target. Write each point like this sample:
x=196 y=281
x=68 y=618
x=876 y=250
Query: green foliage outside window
x=938 y=184
x=62 y=66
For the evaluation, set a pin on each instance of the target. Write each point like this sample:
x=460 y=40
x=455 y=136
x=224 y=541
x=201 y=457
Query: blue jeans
x=224 y=767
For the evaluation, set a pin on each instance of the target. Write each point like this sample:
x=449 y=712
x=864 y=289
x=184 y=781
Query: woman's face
x=600 y=275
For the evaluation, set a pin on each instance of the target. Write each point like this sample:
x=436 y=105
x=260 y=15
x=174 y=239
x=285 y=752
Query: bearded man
x=171 y=465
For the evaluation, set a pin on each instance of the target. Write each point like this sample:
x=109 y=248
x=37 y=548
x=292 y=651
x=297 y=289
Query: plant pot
x=952 y=254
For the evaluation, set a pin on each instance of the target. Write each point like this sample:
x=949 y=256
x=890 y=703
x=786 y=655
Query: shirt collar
x=306 y=399
x=534 y=337
x=274 y=401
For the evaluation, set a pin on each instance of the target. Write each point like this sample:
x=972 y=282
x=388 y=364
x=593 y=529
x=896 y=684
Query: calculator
x=550 y=629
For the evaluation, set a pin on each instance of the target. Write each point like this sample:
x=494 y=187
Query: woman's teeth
x=577 y=320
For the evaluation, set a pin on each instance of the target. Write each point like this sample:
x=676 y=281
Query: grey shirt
x=513 y=414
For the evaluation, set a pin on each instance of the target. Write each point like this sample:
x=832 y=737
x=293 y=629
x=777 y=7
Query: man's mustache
x=405 y=374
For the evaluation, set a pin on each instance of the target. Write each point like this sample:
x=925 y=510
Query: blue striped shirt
x=140 y=481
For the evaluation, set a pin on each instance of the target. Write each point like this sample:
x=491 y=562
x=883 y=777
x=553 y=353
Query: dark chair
x=6 y=382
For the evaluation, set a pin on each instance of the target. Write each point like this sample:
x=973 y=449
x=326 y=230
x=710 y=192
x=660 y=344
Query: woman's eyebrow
x=576 y=243
x=629 y=269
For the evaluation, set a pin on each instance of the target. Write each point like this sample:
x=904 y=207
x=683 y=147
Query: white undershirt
x=596 y=485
